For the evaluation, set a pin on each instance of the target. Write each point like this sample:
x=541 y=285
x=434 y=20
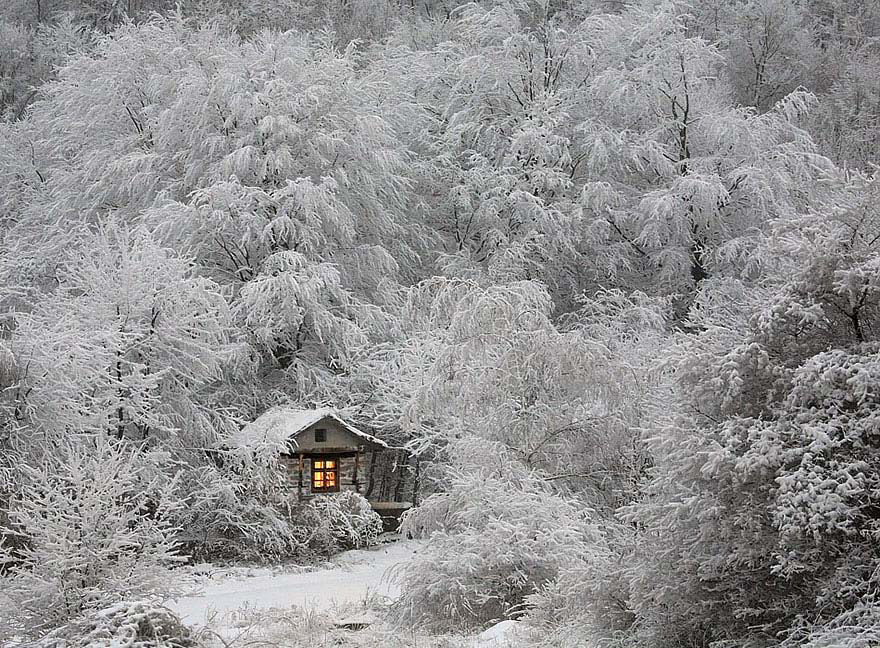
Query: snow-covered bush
x=335 y=522
x=228 y=517
x=761 y=516
x=492 y=542
x=855 y=628
x=237 y=507
x=94 y=530
x=587 y=602
x=137 y=624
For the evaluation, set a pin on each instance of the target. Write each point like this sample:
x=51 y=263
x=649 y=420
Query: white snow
x=356 y=576
x=279 y=424
x=500 y=634
x=241 y=605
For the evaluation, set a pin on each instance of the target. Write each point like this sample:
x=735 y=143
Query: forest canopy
x=606 y=273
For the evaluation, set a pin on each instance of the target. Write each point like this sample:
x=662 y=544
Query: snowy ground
x=339 y=605
x=356 y=576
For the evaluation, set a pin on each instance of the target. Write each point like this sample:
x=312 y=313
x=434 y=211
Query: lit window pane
x=325 y=475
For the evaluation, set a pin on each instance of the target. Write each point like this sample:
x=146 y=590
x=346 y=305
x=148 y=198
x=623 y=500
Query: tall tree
x=274 y=164
x=123 y=346
x=593 y=150
x=760 y=518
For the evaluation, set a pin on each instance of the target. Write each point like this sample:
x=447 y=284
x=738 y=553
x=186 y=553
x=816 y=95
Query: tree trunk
x=371 y=474
x=698 y=270
x=401 y=478
x=417 y=482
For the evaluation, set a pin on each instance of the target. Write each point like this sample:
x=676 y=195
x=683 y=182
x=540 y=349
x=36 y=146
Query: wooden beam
x=299 y=490
x=354 y=477
x=346 y=451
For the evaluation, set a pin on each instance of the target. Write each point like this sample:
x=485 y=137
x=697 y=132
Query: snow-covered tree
x=592 y=150
x=770 y=46
x=489 y=363
x=847 y=121
x=95 y=523
x=273 y=164
x=490 y=109
x=680 y=177
x=123 y=345
x=759 y=517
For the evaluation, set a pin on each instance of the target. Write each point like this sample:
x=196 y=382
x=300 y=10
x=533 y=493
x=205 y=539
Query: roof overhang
x=283 y=424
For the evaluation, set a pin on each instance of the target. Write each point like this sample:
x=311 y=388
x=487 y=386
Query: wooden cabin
x=325 y=453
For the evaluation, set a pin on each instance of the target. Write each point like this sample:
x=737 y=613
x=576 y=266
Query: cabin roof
x=281 y=424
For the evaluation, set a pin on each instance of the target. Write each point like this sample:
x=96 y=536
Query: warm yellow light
x=325 y=474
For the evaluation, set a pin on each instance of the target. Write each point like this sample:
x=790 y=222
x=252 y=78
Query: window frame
x=322 y=433
x=322 y=468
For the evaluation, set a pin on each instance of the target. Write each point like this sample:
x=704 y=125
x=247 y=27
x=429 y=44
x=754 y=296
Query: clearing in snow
x=355 y=577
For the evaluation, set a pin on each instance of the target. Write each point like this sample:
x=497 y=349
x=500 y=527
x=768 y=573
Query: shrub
x=230 y=516
x=136 y=624
x=855 y=628
x=94 y=531
x=339 y=521
x=238 y=506
x=492 y=542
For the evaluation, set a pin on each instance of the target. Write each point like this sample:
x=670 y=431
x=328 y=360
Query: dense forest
x=606 y=272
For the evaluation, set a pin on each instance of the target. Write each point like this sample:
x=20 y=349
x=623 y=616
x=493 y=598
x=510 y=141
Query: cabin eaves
x=282 y=424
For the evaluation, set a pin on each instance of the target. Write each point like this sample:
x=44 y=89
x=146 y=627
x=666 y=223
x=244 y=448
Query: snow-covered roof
x=280 y=424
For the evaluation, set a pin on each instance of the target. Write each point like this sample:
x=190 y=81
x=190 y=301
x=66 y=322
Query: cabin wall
x=336 y=437
x=289 y=465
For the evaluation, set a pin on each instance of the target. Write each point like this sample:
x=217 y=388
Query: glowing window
x=325 y=475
